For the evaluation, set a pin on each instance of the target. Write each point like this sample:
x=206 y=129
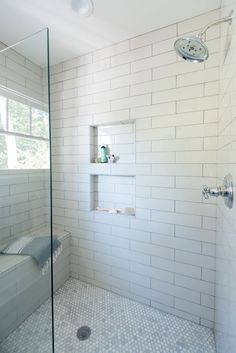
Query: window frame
x=19 y=134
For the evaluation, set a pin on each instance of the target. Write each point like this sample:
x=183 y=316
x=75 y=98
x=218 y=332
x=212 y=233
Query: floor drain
x=83 y=333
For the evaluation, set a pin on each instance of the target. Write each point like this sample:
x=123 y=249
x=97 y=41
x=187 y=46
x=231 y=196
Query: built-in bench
x=23 y=288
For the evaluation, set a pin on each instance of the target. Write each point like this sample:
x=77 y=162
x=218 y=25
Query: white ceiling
x=111 y=22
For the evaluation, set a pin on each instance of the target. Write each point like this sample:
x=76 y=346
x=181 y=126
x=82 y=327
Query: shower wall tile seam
x=164 y=256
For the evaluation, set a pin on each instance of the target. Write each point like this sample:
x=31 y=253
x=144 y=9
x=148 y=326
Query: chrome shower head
x=191 y=49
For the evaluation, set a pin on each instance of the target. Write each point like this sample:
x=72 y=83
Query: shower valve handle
x=218 y=191
x=226 y=191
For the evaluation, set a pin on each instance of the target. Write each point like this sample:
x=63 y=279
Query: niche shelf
x=110 y=193
x=120 y=139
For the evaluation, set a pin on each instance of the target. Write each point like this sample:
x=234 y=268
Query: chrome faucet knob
x=226 y=191
x=205 y=192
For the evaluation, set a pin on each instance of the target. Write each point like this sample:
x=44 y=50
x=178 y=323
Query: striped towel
x=39 y=248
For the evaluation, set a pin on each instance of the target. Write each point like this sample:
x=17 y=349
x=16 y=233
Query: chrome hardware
x=226 y=191
x=228 y=19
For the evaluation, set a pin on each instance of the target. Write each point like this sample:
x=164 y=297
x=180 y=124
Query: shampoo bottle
x=103 y=154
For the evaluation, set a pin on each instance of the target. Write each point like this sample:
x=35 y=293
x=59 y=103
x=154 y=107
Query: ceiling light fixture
x=83 y=7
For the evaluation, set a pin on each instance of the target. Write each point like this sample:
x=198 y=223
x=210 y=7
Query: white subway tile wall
x=164 y=256
x=20 y=74
x=24 y=194
x=24 y=200
x=225 y=317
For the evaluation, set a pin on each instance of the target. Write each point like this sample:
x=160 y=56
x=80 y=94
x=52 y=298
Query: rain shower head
x=193 y=49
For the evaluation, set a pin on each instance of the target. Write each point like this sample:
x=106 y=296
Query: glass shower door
x=25 y=198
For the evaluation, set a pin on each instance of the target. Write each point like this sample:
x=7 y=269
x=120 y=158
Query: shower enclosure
x=25 y=192
x=147 y=261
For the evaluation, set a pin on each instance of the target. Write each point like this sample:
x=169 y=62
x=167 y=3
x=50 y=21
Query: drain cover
x=83 y=333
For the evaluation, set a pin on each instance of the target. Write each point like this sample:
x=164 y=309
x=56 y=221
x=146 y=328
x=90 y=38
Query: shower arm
x=214 y=23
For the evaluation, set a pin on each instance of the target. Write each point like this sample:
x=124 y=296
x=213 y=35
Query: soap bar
x=129 y=211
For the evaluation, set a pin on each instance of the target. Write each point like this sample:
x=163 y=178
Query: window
x=24 y=136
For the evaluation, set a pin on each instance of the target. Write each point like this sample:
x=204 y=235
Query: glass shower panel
x=25 y=198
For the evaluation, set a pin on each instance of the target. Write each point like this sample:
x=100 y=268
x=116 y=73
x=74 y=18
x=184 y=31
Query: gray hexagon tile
x=118 y=325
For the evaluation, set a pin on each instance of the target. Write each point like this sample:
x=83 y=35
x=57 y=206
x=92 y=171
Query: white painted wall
x=165 y=256
x=225 y=318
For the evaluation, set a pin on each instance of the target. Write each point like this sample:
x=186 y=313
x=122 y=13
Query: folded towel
x=39 y=248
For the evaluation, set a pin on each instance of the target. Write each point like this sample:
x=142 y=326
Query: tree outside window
x=24 y=136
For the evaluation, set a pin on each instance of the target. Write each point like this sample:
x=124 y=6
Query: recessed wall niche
x=119 y=138
x=113 y=193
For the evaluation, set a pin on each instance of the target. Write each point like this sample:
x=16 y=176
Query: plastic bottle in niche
x=103 y=154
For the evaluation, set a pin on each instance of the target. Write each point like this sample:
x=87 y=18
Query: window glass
x=18 y=117
x=39 y=123
x=3 y=153
x=3 y=113
x=32 y=153
x=30 y=150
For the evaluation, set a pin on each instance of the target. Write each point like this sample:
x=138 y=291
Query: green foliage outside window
x=24 y=134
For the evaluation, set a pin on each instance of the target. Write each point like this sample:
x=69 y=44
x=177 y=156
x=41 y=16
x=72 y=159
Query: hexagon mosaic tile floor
x=118 y=325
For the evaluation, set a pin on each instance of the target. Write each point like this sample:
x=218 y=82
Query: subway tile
x=178 y=145
x=153 y=110
x=131 y=277
x=197 y=157
x=153 y=61
x=153 y=86
x=178 y=68
x=152 y=272
x=196 y=309
x=111 y=95
x=177 y=169
x=154 y=36
x=194 y=182
x=202 y=130
x=111 y=240
x=115 y=49
x=198 y=77
x=195 y=259
x=175 y=194
x=148 y=226
x=131 y=256
x=196 y=208
x=132 y=55
x=176 y=218
x=203 y=103
x=163 y=46
x=154 y=204
x=150 y=249
x=177 y=267
x=195 y=284
x=155 y=134
x=197 y=22
x=152 y=294
x=155 y=181
x=131 y=234
x=178 y=94
x=155 y=157
x=176 y=243
x=131 y=102
x=196 y=234
x=176 y=291
x=111 y=73
x=193 y=118
x=132 y=79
